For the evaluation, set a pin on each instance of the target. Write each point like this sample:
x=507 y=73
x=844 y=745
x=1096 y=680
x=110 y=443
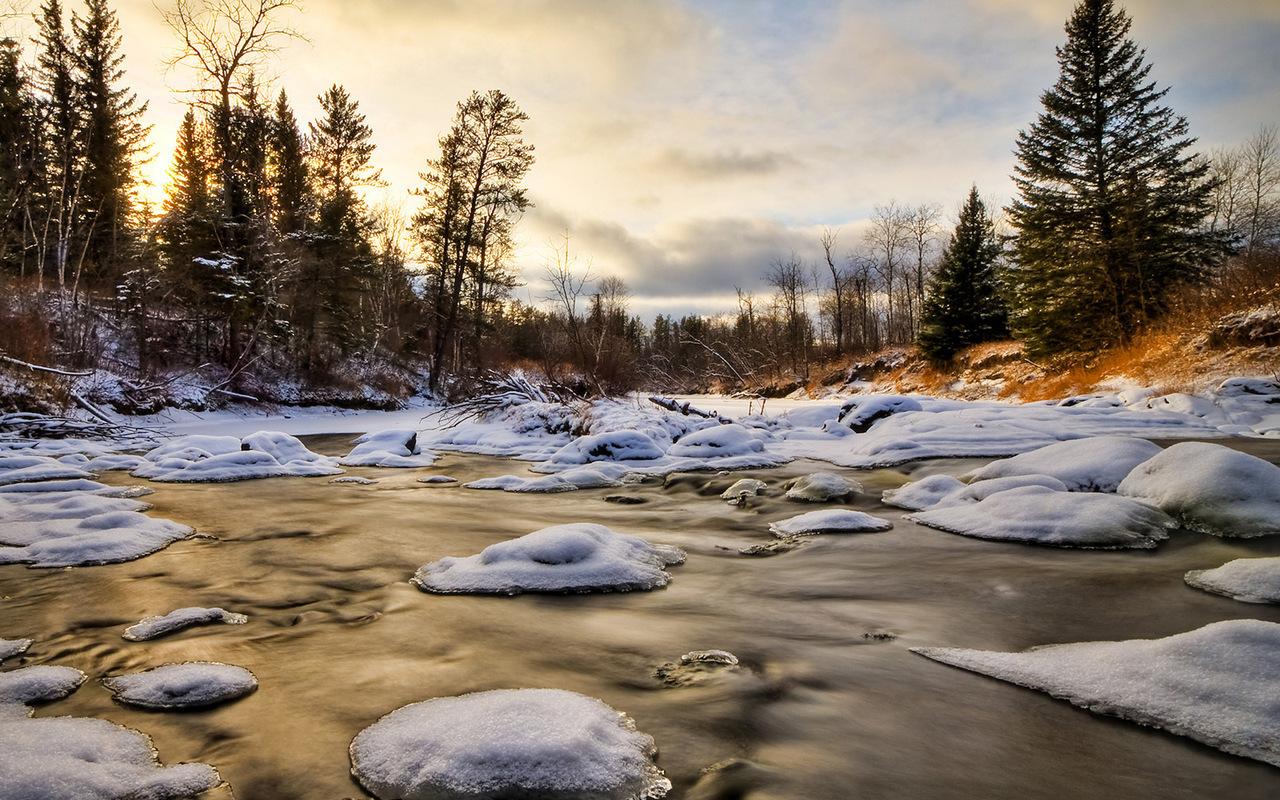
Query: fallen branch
x=687 y=410
x=93 y=410
x=41 y=368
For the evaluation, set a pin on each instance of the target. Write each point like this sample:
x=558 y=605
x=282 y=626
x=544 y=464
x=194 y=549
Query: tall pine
x=289 y=177
x=964 y=305
x=1111 y=202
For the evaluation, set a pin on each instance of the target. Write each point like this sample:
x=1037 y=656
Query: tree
x=62 y=158
x=1111 y=206
x=964 y=306
x=114 y=136
x=19 y=157
x=290 y=179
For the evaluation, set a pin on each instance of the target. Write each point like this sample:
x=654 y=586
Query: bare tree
x=791 y=291
x=839 y=286
x=922 y=231
x=1260 y=162
x=886 y=238
x=567 y=284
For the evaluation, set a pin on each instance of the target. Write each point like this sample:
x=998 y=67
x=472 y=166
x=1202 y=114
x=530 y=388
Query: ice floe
x=13 y=647
x=548 y=744
x=1040 y=515
x=99 y=539
x=391 y=448
x=180 y=619
x=37 y=684
x=1250 y=580
x=821 y=487
x=1217 y=684
x=830 y=520
x=355 y=480
x=193 y=684
x=265 y=454
x=1210 y=488
x=73 y=485
x=588 y=476
x=59 y=505
x=578 y=557
x=1096 y=464
x=31 y=468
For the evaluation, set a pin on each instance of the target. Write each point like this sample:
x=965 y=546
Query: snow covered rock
x=747 y=487
x=696 y=667
x=578 y=557
x=68 y=485
x=55 y=506
x=392 y=448
x=719 y=441
x=38 y=684
x=1217 y=684
x=193 y=684
x=56 y=758
x=512 y=743
x=830 y=520
x=860 y=413
x=99 y=539
x=1097 y=464
x=1039 y=515
x=178 y=620
x=612 y=446
x=13 y=647
x=354 y=480
x=1210 y=488
x=1250 y=580
x=821 y=487
x=924 y=493
x=1247 y=387
x=29 y=468
x=588 y=476
x=265 y=454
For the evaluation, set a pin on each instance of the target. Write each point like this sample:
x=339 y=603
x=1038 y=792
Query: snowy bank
x=1096 y=464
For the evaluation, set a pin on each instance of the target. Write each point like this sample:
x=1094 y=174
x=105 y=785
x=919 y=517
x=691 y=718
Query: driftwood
x=27 y=425
x=671 y=404
x=17 y=362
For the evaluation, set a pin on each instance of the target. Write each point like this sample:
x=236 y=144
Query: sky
x=685 y=144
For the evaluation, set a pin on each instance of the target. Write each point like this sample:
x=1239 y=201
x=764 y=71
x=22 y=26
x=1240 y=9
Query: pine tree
x=19 y=157
x=963 y=305
x=61 y=217
x=1111 y=204
x=113 y=139
x=341 y=150
x=188 y=230
x=289 y=177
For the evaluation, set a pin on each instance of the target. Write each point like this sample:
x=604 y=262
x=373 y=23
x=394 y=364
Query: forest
x=267 y=275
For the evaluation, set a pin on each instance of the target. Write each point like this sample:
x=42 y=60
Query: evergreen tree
x=290 y=185
x=964 y=306
x=187 y=229
x=1111 y=204
x=113 y=138
x=341 y=150
x=61 y=217
x=19 y=154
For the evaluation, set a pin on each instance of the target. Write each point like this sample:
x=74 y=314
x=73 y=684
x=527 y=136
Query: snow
x=24 y=469
x=56 y=505
x=611 y=446
x=831 y=520
x=511 y=743
x=1249 y=580
x=747 y=487
x=75 y=485
x=718 y=442
x=178 y=620
x=397 y=447
x=721 y=657
x=1096 y=464
x=13 y=647
x=38 y=684
x=589 y=476
x=356 y=480
x=1210 y=488
x=939 y=491
x=437 y=480
x=193 y=684
x=99 y=539
x=1040 y=515
x=578 y=557
x=1217 y=684
x=89 y=759
x=265 y=454
x=821 y=487
x=860 y=413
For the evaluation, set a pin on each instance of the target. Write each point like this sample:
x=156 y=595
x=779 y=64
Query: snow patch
x=1249 y=580
x=194 y=684
x=821 y=487
x=1096 y=464
x=180 y=619
x=831 y=520
x=396 y=448
x=265 y=454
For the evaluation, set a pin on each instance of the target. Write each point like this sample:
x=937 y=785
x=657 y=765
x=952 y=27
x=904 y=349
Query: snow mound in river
x=588 y=476
x=74 y=485
x=578 y=557
x=718 y=442
x=940 y=491
x=57 y=505
x=747 y=487
x=548 y=744
x=180 y=619
x=1210 y=488
x=612 y=446
x=1039 y=515
x=265 y=454
x=393 y=448
x=821 y=487
x=1097 y=464
x=830 y=520
x=13 y=647
x=194 y=684
x=39 y=684
x=1217 y=684
x=99 y=539
x=25 y=469
x=1250 y=580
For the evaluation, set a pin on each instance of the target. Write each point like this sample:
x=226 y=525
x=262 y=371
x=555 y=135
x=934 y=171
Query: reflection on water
x=827 y=702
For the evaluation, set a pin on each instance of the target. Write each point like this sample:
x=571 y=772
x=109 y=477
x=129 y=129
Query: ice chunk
x=1250 y=580
x=578 y=557
x=548 y=744
x=696 y=667
x=830 y=520
x=100 y=539
x=180 y=619
x=717 y=442
x=821 y=487
x=265 y=454
x=392 y=448
x=37 y=684
x=612 y=446
x=1097 y=464
x=722 y=657
x=1210 y=488
x=25 y=469
x=1039 y=515
x=58 y=758
x=1217 y=684
x=589 y=476
x=924 y=493
x=193 y=684
x=13 y=647
x=860 y=413
x=747 y=487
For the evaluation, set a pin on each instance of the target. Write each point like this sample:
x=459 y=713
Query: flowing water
x=828 y=703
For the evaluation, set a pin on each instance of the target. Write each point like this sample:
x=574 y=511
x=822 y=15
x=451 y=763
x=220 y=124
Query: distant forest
x=266 y=266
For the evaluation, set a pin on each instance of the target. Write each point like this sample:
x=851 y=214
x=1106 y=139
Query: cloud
x=724 y=164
